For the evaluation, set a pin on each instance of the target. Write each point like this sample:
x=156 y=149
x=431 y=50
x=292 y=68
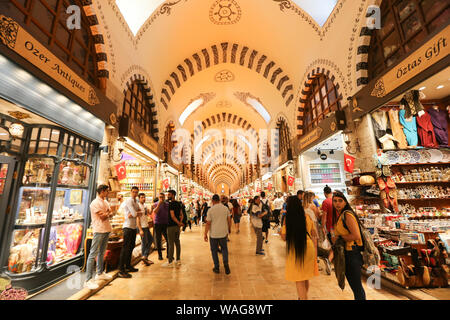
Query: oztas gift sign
x=17 y=39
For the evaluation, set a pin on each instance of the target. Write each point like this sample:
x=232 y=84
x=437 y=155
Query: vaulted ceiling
x=228 y=64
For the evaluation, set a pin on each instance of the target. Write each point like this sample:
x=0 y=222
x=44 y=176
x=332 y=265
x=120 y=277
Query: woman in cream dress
x=301 y=256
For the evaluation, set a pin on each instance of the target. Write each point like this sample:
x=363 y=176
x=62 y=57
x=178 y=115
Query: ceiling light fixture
x=190 y=109
x=16 y=130
x=439 y=87
x=422 y=88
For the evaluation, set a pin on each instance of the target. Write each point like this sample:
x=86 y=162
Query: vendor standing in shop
x=100 y=214
x=131 y=212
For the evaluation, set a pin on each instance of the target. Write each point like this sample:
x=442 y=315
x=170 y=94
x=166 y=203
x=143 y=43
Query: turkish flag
x=290 y=181
x=166 y=183
x=269 y=186
x=121 y=171
x=184 y=188
x=349 y=163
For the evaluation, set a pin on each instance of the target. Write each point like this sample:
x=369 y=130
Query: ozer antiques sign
x=19 y=40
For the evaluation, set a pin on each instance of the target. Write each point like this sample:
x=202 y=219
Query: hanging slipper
x=381 y=183
x=390 y=183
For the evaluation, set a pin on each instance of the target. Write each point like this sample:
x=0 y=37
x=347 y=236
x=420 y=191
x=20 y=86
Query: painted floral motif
x=8 y=31
x=225 y=12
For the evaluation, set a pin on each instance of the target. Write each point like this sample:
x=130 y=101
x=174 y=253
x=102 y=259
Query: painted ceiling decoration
x=320 y=15
x=225 y=12
x=140 y=14
x=255 y=103
x=224 y=76
x=227 y=52
x=195 y=104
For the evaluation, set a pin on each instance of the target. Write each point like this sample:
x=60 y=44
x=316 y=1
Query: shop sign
x=19 y=40
x=310 y=137
x=149 y=142
x=427 y=55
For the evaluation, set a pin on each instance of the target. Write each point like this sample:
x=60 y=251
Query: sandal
x=381 y=183
x=390 y=183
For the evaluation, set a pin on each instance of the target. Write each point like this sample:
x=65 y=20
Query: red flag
x=166 y=183
x=290 y=181
x=184 y=188
x=121 y=171
x=349 y=163
x=269 y=186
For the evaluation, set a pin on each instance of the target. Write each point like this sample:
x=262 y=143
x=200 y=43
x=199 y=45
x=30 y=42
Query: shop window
x=137 y=107
x=322 y=99
x=46 y=20
x=404 y=26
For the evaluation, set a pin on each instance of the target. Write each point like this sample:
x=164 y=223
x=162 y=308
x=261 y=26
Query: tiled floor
x=252 y=277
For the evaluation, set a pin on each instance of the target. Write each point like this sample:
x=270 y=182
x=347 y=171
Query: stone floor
x=252 y=277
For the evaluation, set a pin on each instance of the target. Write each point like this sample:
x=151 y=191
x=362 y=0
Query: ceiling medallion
x=225 y=12
x=222 y=104
x=19 y=115
x=224 y=76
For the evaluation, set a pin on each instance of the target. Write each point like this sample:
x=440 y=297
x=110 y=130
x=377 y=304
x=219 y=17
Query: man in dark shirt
x=161 y=219
x=173 y=229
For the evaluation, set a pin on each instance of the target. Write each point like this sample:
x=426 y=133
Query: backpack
x=370 y=253
x=265 y=207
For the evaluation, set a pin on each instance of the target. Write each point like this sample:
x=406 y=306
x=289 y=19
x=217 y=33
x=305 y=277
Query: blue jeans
x=353 y=264
x=214 y=244
x=147 y=241
x=98 y=248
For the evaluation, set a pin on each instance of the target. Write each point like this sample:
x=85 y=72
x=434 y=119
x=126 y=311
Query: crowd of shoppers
x=304 y=225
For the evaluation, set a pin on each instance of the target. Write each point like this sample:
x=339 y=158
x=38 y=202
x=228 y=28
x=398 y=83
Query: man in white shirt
x=277 y=207
x=131 y=212
x=144 y=230
x=101 y=227
x=256 y=214
x=218 y=220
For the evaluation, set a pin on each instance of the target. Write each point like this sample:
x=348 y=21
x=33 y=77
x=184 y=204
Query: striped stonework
x=99 y=40
x=227 y=53
x=149 y=98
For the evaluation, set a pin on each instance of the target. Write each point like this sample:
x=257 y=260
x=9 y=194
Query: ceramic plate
x=392 y=157
x=383 y=159
x=415 y=156
x=425 y=156
x=446 y=155
x=404 y=156
x=436 y=155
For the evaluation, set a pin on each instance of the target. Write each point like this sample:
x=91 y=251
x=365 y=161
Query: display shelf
x=423 y=199
x=421 y=182
x=42 y=225
x=420 y=164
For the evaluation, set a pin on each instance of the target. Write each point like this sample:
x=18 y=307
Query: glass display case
x=325 y=173
x=52 y=203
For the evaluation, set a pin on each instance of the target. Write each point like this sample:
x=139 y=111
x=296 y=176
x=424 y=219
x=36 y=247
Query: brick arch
x=222 y=168
x=149 y=97
x=227 y=52
x=218 y=144
x=362 y=55
x=221 y=157
x=226 y=117
x=306 y=89
x=99 y=39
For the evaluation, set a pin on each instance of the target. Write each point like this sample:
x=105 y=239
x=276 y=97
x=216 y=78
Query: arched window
x=137 y=106
x=404 y=26
x=46 y=20
x=284 y=136
x=322 y=98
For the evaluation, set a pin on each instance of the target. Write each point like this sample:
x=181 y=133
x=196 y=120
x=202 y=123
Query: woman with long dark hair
x=237 y=213
x=299 y=232
x=346 y=226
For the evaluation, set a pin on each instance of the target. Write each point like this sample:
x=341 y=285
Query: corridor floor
x=252 y=277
